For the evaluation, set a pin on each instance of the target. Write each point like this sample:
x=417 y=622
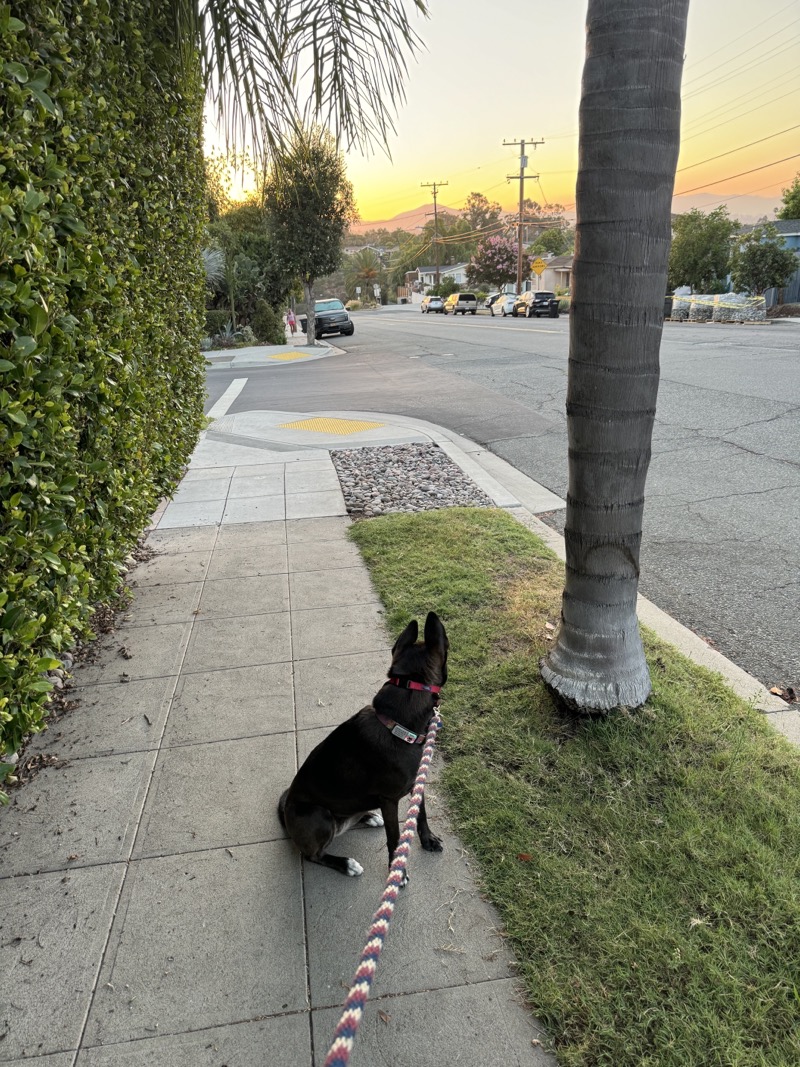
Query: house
x=379 y=250
x=556 y=275
x=789 y=230
x=424 y=277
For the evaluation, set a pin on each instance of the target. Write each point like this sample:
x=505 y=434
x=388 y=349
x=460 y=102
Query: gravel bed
x=403 y=478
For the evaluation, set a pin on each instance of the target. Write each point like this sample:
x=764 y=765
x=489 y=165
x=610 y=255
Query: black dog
x=371 y=760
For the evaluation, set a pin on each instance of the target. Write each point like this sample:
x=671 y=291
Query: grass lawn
x=645 y=864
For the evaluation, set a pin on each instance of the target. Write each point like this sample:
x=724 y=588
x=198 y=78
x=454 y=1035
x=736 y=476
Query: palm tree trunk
x=629 y=141
x=310 y=323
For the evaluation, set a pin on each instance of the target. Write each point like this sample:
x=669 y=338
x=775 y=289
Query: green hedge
x=101 y=298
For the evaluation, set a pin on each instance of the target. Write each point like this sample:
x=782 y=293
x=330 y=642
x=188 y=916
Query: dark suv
x=536 y=303
x=330 y=316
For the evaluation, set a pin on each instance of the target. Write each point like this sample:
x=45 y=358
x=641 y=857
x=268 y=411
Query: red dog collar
x=408 y=684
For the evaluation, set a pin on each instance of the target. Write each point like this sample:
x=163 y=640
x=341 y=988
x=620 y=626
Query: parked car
x=431 y=303
x=505 y=305
x=536 y=303
x=463 y=302
x=330 y=316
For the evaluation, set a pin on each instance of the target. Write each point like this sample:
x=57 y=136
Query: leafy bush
x=101 y=286
x=216 y=321
x=268 y=324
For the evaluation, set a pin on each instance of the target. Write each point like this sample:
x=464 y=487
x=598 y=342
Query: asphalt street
x=721 y=550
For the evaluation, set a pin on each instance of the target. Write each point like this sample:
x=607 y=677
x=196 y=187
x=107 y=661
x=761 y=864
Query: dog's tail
x=282 y=806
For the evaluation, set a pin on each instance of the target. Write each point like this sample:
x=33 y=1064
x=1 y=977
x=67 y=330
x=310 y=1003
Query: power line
x=749 y=96
x=728 y=44
x=741 y=148
x=727 y=62
x=750 y=192
x=739 y=115
x=772 y=54
x=741 y=174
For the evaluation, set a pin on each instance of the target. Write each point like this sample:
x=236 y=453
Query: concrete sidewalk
x=151 y=910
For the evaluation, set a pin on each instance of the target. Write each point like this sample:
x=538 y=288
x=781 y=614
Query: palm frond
x=273 y=66
x=214 y=263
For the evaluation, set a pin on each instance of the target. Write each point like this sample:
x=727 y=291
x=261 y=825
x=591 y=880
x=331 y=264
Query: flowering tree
x=494 y=263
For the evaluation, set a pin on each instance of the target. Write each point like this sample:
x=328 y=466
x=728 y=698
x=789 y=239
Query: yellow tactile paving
x=284 y=357
x=339 y=427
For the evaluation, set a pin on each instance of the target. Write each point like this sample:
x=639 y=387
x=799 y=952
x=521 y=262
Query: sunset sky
x=506 y=70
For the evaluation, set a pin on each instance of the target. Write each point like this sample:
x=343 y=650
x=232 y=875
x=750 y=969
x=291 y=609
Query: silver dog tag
x=403 y=734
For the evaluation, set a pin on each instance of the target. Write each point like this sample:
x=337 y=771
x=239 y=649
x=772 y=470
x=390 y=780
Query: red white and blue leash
x=347 y=1027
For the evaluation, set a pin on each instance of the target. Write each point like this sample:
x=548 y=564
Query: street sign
x=538 y=265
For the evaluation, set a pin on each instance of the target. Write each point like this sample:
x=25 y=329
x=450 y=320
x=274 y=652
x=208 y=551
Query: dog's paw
x=373 y=819
x=354 y=868
x=432 y=843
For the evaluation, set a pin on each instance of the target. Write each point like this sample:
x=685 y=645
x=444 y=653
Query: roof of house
x=442 y=270
x=785 y=227
x=379 y=250
x=560 y=261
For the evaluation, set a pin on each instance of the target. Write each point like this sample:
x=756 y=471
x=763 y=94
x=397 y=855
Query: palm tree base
x=590 y=683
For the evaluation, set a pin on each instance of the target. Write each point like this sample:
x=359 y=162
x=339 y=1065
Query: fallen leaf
x=524 y=857
x=549 y=626
x=74 y=856
x=789 y=694
x=383 y=1016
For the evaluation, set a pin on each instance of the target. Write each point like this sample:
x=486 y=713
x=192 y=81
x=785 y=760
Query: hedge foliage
x=101 y=298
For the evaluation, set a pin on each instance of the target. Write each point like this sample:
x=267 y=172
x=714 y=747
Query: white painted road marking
x=227 y=398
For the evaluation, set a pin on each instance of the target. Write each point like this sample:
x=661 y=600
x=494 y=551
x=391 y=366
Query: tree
x=791 y=201
x=701 y=250
x=255 y=57
x=247 y=272
x=309 y=204
x=760 y=260
x=494 y=264
x=407 y=258
x=557 y=241
x=365 y=270
x=628 y=152
x=480 y=213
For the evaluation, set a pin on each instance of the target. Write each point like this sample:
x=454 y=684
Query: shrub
x=216 y=321
x=268 y=324
x=101 y=291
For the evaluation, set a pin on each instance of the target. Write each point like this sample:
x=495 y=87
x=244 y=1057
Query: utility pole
x=436 y=186
x=523 y=162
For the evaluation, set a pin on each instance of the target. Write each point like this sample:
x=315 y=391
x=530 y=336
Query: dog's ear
x=407 y=638
x=436 y=642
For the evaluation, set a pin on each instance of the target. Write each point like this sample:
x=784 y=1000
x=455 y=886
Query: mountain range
x=746 y=209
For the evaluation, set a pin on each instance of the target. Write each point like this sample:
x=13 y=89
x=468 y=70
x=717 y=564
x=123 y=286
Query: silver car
x=504 y=305
x=432 y=303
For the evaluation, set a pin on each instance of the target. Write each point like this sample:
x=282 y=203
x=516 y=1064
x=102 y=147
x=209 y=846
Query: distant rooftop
x=786 y=227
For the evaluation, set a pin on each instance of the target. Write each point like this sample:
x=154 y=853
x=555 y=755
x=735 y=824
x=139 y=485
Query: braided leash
x=347 y=1027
